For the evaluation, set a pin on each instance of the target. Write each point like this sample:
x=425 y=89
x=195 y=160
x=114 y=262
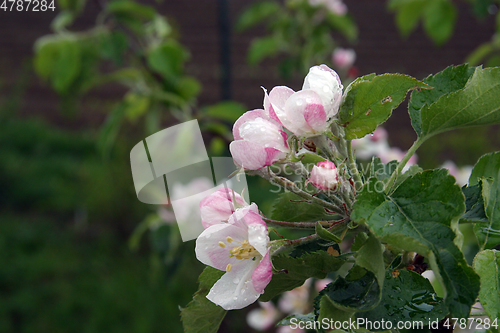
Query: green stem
x=322 y=142
x=310 y=238
x=344 y=191
x=402 y=164
x=353 y=167
x=299 y=225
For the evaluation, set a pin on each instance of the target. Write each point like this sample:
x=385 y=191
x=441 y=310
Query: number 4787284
x=27 y=5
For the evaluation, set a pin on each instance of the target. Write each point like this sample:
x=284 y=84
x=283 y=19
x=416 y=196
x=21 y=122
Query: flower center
x=241 y=252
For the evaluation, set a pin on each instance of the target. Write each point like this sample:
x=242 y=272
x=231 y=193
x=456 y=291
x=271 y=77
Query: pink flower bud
x=218 y=206
x=307 y=112
x=325 y=82
x=324 y=176
x=259 y=141
x=343 y=58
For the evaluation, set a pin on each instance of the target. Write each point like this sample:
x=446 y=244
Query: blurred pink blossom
x=343 y=58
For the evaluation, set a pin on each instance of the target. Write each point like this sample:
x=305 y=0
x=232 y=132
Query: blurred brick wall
x=379 y=49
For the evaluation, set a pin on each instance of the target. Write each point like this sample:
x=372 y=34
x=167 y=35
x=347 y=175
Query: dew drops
x=245 y=299
x=236 y=280
x=242 y=291
x=208 y=235
x=300 y=102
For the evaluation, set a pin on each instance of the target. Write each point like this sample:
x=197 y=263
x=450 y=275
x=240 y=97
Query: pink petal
x=247 y=116
x=262 y=275
x=278 y=97
x=315 y=117
x=296 y=107
x=247 y=155
x=273 y=155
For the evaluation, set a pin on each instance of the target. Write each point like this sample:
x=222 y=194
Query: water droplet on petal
x=208 y=235
x=299 y=102
x=236 y=280
x=242 y=291
x=235 y=298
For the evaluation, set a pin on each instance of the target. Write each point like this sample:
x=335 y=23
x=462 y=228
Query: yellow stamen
x=229 y=267
x=229 y=239
x=244 y=251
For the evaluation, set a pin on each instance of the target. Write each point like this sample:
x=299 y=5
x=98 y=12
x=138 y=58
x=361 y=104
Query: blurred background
x=82 y=81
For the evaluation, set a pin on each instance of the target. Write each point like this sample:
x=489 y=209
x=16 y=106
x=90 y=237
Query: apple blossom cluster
x=260 y=136
x=235 y=240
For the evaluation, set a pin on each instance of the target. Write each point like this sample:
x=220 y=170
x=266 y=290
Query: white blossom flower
x=241 y=248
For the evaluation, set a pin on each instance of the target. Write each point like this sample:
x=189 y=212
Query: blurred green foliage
x=54 y=280
x=298 y=32
x=65 y=219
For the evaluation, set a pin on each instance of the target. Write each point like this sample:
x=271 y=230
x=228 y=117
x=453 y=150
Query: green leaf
x=228 y=111
x=370 y=257
x=125 y=9
x=359 y=240
x=110 y=128
x=59 y=60
x=256 y=13
x=475 y=104
x=369 y=101
x=167 y=59
x=136 y=105
x=418 y=217
x=408 y=14
x=474 y=204
x=325 y=234
x=451 y=79
x=286 y=210
x=314 y=246
x=407 y=297
x=201 y=315
x=188 y=87
x=287 y=321
x=361 y=290
x=380 y=170
x=328 y=310
x=292 y=272
x=412 y=170
x=439 y=20
x=358 y=291
x=262 y=48
x=487 y=265
x=487 y=169
x=114 y=45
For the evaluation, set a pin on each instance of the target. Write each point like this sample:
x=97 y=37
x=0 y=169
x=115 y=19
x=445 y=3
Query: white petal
x=235 y=290
x=258 y=238
x=208 y=250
